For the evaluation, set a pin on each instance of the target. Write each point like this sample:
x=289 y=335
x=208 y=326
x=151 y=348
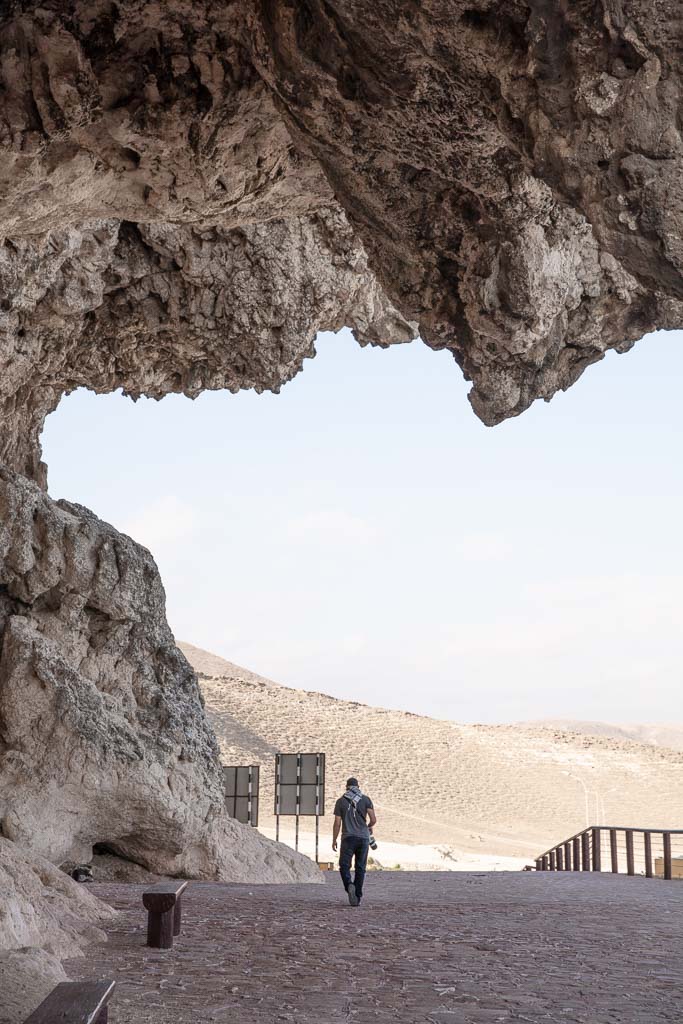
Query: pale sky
x=363 y=534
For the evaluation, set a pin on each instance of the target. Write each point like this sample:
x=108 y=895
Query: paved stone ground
x=447 y=948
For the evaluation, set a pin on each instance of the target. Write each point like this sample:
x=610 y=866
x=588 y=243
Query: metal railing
x=653 y=852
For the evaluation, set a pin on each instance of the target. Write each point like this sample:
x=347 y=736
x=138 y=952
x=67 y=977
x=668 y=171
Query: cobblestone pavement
x=447 y=948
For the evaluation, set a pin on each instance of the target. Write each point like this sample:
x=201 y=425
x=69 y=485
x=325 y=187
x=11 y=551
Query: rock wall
x=103 y=737
x=41 y=906
x=189 y=191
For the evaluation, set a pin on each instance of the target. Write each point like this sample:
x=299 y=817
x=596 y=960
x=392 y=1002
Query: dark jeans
x=353 y=846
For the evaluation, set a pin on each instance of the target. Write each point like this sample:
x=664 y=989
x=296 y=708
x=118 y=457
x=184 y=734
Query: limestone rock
x=104 y=738
x=41 y=906
x=44 y=917
x=107 y=867
x=512 y=168
x=189 y=191
x=27 y=976
x=160 y=308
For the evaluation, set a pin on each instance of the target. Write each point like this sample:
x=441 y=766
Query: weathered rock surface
x=41 y=906
x=512 y=168
x=27 y=976
x=156 y=308
x=103 y=735
x=189 y=191
x=44 y=917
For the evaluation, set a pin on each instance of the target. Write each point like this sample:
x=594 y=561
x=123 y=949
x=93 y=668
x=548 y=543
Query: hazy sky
x=363 y=534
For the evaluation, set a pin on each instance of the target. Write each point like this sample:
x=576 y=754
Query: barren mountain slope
x=491 y=789
x=208 y=664
x=658 y=734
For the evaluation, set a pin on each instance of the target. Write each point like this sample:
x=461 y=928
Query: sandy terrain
x=391 y=856
x=487 y=792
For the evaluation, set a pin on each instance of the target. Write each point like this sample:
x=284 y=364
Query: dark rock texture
x=162 y=232
x=189 y=191
x=513 y=169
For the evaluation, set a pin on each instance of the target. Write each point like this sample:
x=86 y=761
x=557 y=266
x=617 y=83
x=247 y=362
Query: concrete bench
x=162 y=903
x=75 y=1002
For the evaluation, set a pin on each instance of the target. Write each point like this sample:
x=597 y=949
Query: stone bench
x=75 y=1002
x=162 y=903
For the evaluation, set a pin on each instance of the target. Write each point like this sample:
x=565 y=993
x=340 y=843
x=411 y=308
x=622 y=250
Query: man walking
x=350 y=813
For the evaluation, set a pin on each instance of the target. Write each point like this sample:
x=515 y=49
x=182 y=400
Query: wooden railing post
x=597 y=862
x=630 y=861
x=666 y=836
x=647 y=841
x=585 y=852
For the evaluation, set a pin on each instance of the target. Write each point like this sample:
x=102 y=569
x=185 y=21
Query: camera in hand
x=373 y=842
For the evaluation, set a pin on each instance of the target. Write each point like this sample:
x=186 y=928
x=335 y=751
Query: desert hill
x=207 y=664
x=505 y=790
x=659 y=735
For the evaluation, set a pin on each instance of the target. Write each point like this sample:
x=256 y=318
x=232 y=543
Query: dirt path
x=442 y=948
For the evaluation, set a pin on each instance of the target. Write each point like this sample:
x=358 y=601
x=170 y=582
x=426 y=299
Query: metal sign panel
x=300 y=784
x=309 y=769
x=241 y=792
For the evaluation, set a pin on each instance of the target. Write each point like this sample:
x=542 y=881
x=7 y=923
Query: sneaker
x=353 y=899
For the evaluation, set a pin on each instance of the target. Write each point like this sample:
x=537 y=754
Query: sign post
x=300 y=791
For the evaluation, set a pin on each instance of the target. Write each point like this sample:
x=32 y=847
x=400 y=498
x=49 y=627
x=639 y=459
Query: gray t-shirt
x=353 y=817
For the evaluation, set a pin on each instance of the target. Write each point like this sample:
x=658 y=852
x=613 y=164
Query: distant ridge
x=214 y=667
x=657 y=735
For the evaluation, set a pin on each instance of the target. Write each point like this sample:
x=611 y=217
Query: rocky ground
x=438 y=948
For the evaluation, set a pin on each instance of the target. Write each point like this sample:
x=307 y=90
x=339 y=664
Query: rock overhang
x=188 y=193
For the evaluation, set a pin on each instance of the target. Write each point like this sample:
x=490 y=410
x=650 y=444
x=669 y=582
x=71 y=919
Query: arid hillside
x=504 y=790
x=658 y=734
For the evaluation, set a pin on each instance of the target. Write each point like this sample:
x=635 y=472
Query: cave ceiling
x=190 y=191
